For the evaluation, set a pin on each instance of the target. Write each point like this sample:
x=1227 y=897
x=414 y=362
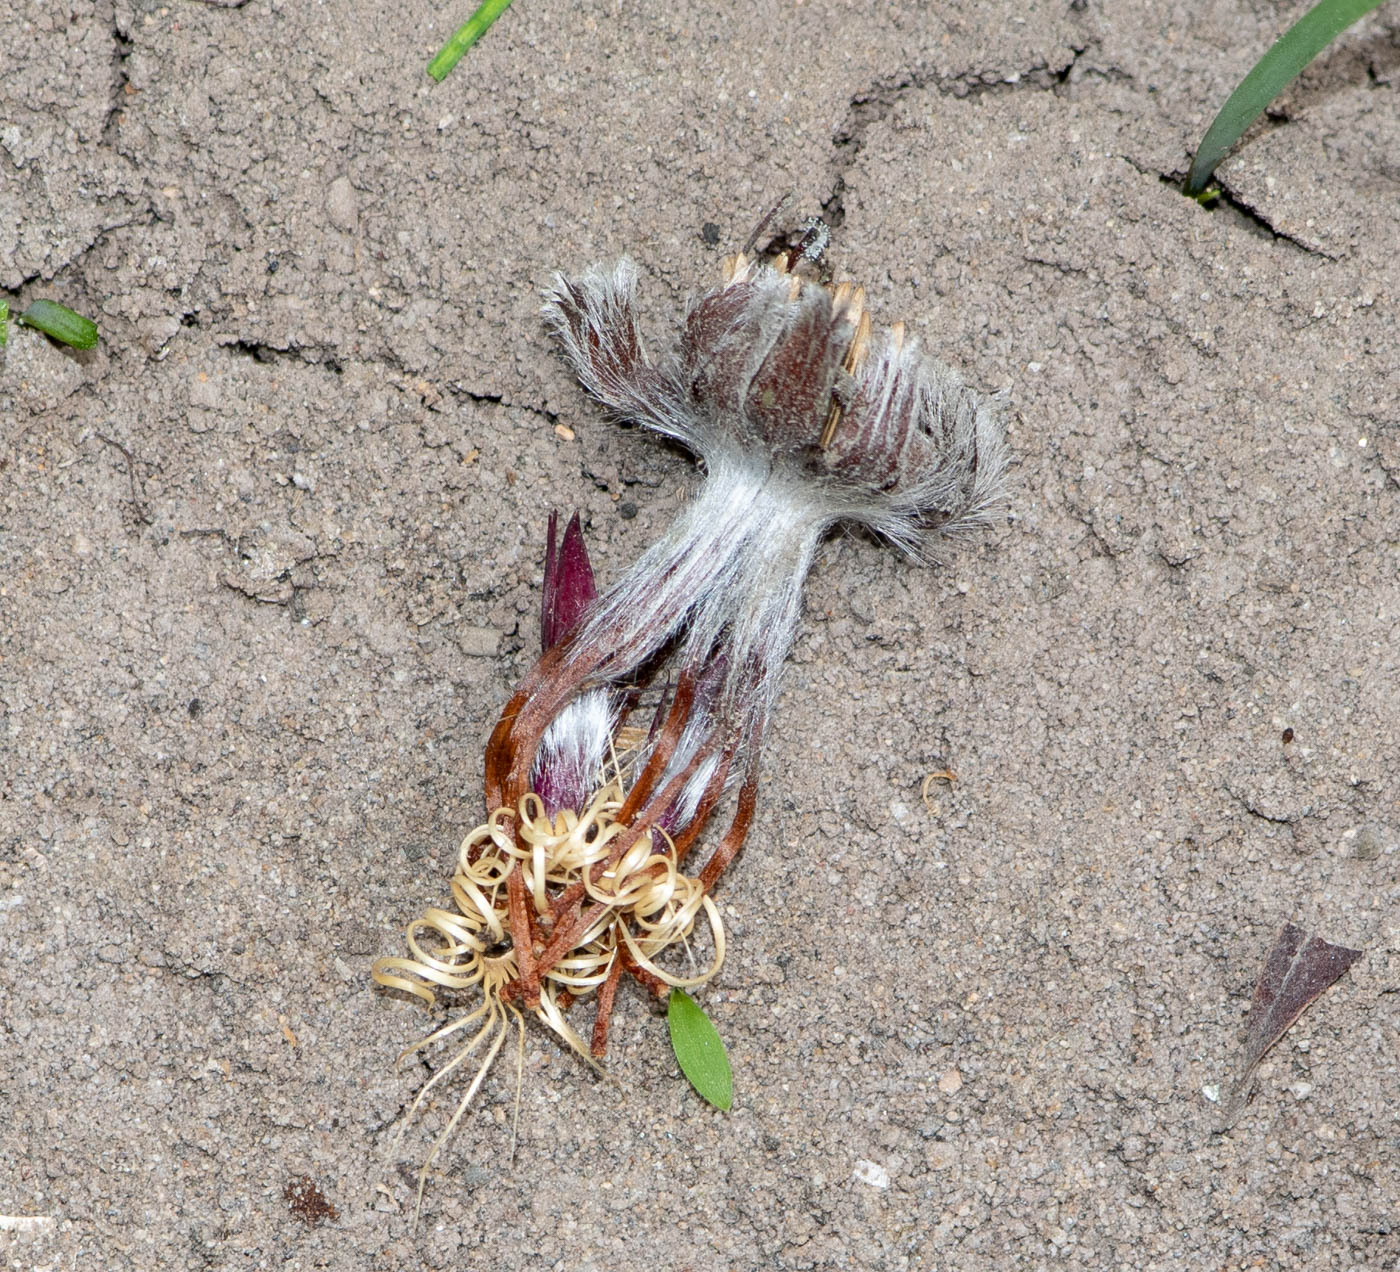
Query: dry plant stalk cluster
x=801 y=417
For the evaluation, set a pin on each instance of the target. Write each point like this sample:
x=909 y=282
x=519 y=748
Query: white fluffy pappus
x=801 y=419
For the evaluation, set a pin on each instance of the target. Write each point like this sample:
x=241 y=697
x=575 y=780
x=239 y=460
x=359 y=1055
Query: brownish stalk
x=738 y=830
x=522 y=939
x=664 y=748
x=607 y=992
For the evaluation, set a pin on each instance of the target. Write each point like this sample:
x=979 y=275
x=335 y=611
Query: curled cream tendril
x=648 y=905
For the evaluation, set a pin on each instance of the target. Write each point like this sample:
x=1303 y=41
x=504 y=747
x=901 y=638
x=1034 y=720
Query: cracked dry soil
x=269 y=566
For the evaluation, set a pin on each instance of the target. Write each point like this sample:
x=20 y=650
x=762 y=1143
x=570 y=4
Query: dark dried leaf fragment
x=305 y=1200
x=1298 y=969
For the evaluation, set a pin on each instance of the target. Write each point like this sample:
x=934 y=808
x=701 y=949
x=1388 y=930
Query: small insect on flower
x=645 y=714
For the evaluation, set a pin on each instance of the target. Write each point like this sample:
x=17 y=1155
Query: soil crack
x=1255 y=220
x=874 y=104
x=121 y=81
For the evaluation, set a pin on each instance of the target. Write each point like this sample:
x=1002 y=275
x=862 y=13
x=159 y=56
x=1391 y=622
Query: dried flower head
x=801 y=416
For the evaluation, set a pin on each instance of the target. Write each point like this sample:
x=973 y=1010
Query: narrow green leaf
x=699 y=1050
x=1293 y=50
x=4 y=321
x=61 y=323
x=465 y=36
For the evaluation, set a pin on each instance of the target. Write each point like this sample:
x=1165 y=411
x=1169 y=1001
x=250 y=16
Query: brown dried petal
x=878 y=432
x=596 y=319
x=908 y=420
x=716 y=347
x=1299 y=967
x=789 y=397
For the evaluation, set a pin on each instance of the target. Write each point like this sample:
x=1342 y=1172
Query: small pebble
x=341 y=204
x=478 y=642
x=941 y=1155
x=871 y=1173
x=1367 y=846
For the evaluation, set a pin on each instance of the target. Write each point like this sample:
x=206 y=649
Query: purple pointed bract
x=569 y=586
x=572 y=752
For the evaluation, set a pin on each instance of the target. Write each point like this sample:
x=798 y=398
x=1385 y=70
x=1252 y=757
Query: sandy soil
x=269 y=567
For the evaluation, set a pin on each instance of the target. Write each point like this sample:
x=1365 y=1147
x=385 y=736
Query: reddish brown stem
x=607 y=991
x=499 y=751
x=522 y=938
x=738 y=829
x=510 y=753
x=649 y=980
x=714 y=788
x=663 y=750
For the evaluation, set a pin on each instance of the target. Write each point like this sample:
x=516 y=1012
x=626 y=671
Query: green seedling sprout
x=1278 y=68
x=54 y=320
x=464 y=37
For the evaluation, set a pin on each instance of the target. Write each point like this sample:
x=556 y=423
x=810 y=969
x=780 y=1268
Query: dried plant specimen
x=645 y=714
x=1298 y=969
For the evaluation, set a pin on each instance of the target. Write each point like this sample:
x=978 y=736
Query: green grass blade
x=465 y=36
x=1293 y=50
x=699 y=1050
x=4 y=322
x=61 y=323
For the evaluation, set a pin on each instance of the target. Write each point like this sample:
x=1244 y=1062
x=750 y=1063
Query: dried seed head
x=777 y=370
x=802 y=416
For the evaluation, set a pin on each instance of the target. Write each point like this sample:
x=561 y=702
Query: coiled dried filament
x=643 y=902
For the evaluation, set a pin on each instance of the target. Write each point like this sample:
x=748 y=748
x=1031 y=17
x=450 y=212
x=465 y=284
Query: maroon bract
x=569 y=588
x=575 y=747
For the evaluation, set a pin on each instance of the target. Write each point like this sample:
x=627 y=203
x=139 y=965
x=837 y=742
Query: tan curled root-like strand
x=452 y=949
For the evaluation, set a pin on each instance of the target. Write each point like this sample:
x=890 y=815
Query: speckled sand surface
x=269 y=567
